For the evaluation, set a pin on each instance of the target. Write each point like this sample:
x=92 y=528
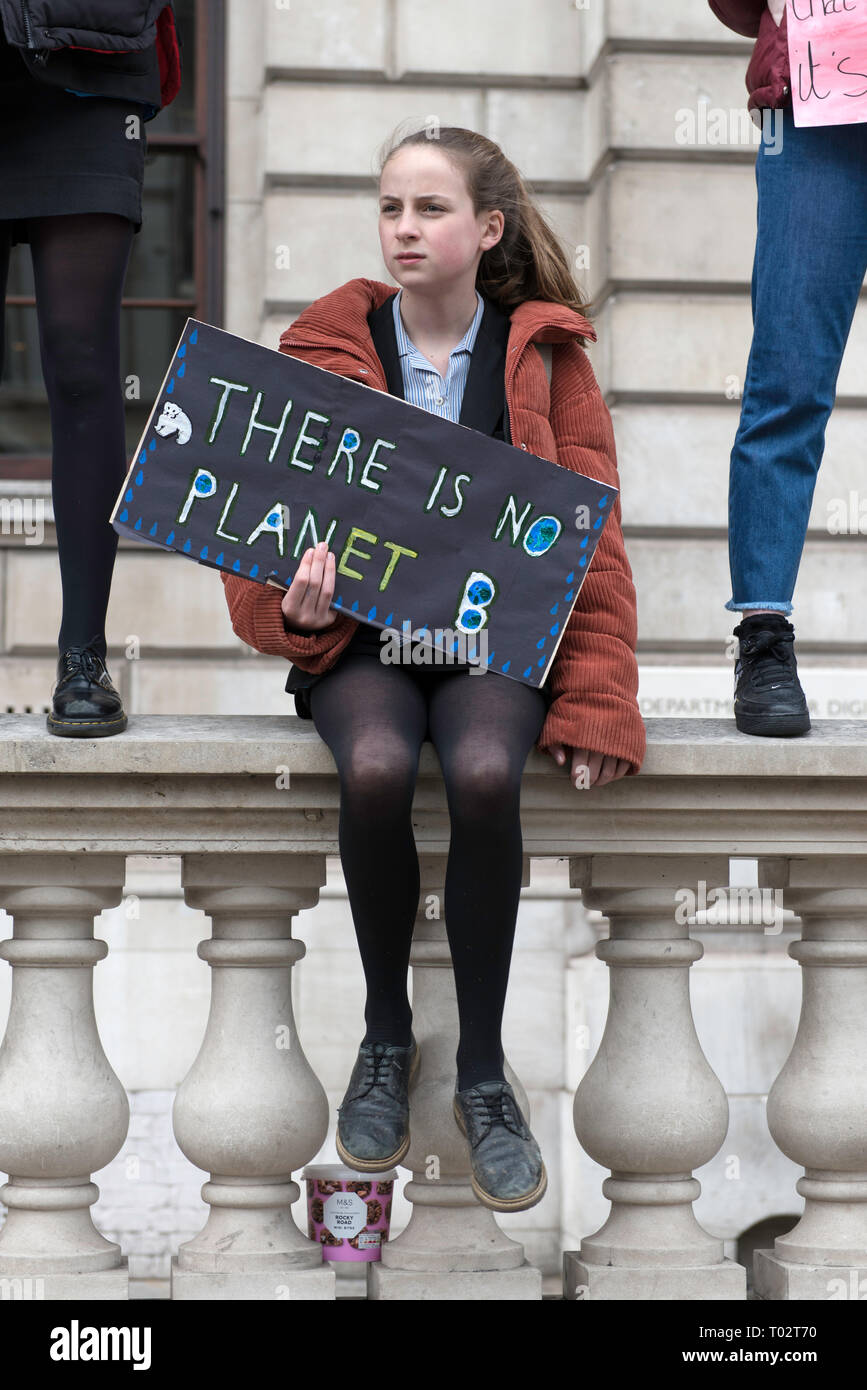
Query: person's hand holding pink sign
x=828 y=61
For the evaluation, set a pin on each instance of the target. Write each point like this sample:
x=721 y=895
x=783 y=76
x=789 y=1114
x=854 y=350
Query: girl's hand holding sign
x=306 y=602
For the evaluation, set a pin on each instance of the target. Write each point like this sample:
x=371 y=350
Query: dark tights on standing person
x=79 y=267
x=374 y=718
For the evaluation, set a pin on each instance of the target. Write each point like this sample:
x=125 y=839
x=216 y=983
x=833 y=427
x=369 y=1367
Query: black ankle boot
x=85 y=704
x=769 y=700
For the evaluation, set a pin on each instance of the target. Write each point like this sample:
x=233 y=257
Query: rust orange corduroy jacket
x=594 y=675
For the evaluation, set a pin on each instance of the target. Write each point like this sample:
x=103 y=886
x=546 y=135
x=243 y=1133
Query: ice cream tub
x=348 y=1213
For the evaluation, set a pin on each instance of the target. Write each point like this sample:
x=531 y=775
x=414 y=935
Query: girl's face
x=425 y=211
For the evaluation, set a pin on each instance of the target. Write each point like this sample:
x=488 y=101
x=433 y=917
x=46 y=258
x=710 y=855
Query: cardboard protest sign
x=250 y=456
x=827 y=61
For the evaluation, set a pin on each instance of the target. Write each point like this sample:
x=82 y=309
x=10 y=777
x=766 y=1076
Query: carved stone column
x=817 y=1107
x=649 y=1107
x=251 y=1111
x=63 y=1112
x=452 y=1247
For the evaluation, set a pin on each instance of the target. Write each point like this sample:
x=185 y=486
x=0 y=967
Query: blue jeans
x=810 y=260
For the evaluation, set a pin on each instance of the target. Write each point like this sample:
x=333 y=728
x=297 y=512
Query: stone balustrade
x=251 y=804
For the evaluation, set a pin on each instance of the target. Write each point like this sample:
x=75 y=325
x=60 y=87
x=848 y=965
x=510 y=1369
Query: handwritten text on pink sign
x=828 y=61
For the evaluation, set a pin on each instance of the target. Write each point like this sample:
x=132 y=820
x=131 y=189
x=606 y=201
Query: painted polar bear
x=174 y=420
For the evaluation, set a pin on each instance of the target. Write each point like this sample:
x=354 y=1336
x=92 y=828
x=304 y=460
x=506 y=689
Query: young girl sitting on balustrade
x=482 y=280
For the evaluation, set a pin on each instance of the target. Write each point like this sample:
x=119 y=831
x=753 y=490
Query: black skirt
x=367 y=642
x=61 y=153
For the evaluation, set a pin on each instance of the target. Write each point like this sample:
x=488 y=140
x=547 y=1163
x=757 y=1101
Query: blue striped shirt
x=422 y=383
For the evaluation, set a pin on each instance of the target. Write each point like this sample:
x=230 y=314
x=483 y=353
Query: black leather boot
x=85 y=704
x=769 y=700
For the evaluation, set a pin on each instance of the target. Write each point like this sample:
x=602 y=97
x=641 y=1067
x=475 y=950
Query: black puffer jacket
x=114 y=48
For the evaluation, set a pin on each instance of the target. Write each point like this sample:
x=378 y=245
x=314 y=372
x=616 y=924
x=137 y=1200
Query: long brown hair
x=528 y=262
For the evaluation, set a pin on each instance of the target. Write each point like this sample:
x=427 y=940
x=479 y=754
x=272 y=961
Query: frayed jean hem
x=733 y=607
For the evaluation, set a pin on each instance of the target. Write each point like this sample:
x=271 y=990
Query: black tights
x=79 y=267
x=374 y=718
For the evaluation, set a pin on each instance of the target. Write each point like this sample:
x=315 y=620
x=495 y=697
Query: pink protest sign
x=828 y=61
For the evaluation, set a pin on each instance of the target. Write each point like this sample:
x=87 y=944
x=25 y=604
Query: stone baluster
x=63 y=1112
x=649 y=1107
x=452 y=1247
x=251 y=1111
x=817 y=1107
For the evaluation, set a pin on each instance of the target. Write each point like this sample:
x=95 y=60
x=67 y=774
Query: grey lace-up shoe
x=508 y=1172
x=373 y=1121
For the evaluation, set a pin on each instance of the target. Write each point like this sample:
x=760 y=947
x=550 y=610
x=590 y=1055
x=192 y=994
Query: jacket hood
x=343 y=312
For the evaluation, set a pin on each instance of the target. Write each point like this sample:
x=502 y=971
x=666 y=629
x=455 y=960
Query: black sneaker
x=768 y=697
x=85 y=703
x=373 y=1121
x=508 y=1172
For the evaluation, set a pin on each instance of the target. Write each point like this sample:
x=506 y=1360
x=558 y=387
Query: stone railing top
x=177 y=745
x=268 y=784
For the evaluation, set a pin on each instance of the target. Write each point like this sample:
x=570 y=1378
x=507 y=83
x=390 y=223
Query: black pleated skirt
x=61 y=153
